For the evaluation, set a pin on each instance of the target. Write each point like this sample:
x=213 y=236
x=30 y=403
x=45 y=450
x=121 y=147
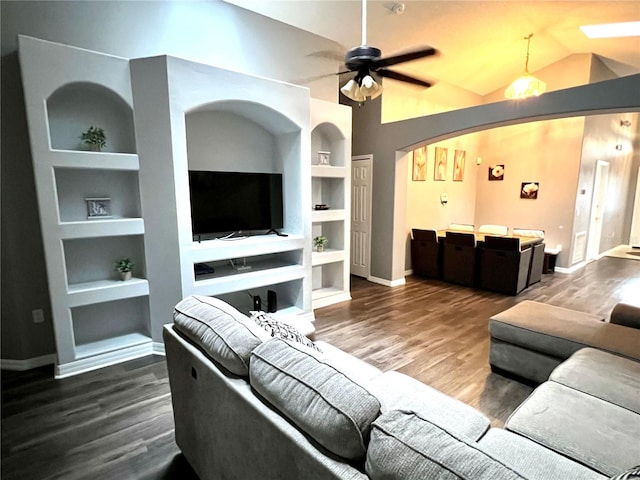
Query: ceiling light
x=361 y=87
x=527 y=85
x=612 y=30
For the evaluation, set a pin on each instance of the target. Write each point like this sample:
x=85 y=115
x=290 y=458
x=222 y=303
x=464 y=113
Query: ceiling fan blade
x=328 y=54
x=402 y=77
x=403 y=57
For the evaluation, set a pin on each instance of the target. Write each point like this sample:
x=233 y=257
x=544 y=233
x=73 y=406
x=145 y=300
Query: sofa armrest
x=627 y=315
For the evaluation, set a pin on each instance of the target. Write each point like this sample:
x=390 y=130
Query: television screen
x=235 y=201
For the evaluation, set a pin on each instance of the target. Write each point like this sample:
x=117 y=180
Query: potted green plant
x=124 y=266
x=320 y=242
x=94 y=138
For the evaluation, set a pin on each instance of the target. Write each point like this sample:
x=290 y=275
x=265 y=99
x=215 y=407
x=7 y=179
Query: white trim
x=408 y=272
x=104 y=360
x=387 y=283
x=157 y=348
x=27 y=364
x=571 y=269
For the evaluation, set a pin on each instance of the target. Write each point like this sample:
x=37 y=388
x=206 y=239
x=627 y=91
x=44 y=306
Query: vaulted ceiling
x=481 y=43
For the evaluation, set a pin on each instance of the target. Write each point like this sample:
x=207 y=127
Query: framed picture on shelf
x=419 y=172
x=98 y=207
x=458 y=165
x=440 y=164
x=324 y=158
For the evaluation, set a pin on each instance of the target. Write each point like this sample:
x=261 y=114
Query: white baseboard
x=570 y=269
x=387 y=283
x=157 y=348
x=408 y=272
x=27 y=364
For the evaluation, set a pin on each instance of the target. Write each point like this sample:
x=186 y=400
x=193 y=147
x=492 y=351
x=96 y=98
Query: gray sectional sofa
x=250 y=405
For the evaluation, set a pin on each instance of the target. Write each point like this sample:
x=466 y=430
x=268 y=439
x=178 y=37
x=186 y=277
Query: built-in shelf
x=261 y=274
x=327 y=256
x=323 y=297
x=88 y=293
x=327 y=215
x=212 y=250
x=111 y=344
x=108 y=227
x=93 y=160
x=328 y=171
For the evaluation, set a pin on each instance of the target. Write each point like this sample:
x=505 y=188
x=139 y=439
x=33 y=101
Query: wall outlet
x=37 y=315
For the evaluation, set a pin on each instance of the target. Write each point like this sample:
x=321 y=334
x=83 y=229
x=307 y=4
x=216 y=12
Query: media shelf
x=328 y=171
x=318 y=216
x=327 y=256
x=213 y=250
x=117 y=343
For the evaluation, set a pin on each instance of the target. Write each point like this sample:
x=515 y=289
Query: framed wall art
x=419 y=172
x=440 y=164
x=496 y=173
x=529 y=190
x=459 y=160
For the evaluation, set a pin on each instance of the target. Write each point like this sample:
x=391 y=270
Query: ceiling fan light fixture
x=526 y=85
x=352 y=91
x=368 y=86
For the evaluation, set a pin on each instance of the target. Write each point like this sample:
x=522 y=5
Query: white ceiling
x=481 y=43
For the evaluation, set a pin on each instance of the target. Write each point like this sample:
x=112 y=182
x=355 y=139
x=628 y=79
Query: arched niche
x=75 y=107
x=241 y=136
x=327 y=137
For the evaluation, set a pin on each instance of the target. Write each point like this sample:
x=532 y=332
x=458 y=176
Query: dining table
x=525 y=241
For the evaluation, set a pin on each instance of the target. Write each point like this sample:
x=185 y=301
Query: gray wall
x=209 y=32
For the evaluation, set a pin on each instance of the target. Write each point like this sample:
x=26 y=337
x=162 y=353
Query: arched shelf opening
x=241 y=136
x=75 y=107
x=326 y=138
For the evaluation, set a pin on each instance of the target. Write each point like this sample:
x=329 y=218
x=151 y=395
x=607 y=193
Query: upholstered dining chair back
x=528 y=232
x=426 y=253
x=462 y=227
x=494 y=229
x=459 y=258
x=503 y=266
x=424 y=235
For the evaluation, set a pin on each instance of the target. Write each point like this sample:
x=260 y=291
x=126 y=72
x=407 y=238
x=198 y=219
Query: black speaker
x=272 y=301
x=257 y=303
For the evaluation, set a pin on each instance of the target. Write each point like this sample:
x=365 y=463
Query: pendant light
x=527 y=85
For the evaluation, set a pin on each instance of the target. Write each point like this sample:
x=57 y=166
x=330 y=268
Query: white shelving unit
x=331 y=185
x=97 y=319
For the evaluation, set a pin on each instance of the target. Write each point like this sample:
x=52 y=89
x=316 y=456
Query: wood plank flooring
x=117 y=422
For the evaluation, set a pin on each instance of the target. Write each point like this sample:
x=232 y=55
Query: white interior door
x=597 y=209
x=634 y=239
x=361 y=182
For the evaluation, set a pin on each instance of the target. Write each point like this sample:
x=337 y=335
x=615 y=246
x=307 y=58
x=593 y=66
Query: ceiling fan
x=365 y=61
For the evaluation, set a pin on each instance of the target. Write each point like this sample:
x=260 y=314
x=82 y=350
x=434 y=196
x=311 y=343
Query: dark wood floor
x=117 y=422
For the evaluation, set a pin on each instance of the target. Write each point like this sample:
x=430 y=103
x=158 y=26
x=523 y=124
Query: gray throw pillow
x=630 y=474
x=321 y=400
x=279 y=329
x=221 y=331
x=405 y=446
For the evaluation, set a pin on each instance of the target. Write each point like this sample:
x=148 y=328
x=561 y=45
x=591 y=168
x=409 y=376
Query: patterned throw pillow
x=279 y=329
x=629 y=474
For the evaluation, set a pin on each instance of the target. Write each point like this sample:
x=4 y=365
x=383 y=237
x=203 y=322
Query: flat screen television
x=223 y=202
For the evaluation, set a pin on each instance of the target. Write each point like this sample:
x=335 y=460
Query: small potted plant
x=94 y=138
x=124 y=266
x=320 y=242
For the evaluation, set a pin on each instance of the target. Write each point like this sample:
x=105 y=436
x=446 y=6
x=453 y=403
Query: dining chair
x=461 y=227
x=459 y=258
x=503 y=266
x=537 y=258
x=493 y=229
x=426 y=253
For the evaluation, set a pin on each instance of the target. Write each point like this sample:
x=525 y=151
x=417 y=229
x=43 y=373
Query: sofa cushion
x=560 y=332
x=597 y=433
x=603 y=375
x=221 y=331
x=320 y=399
x=397 y=391
x=405 y=445
x=532 y=460
x=279 y=329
